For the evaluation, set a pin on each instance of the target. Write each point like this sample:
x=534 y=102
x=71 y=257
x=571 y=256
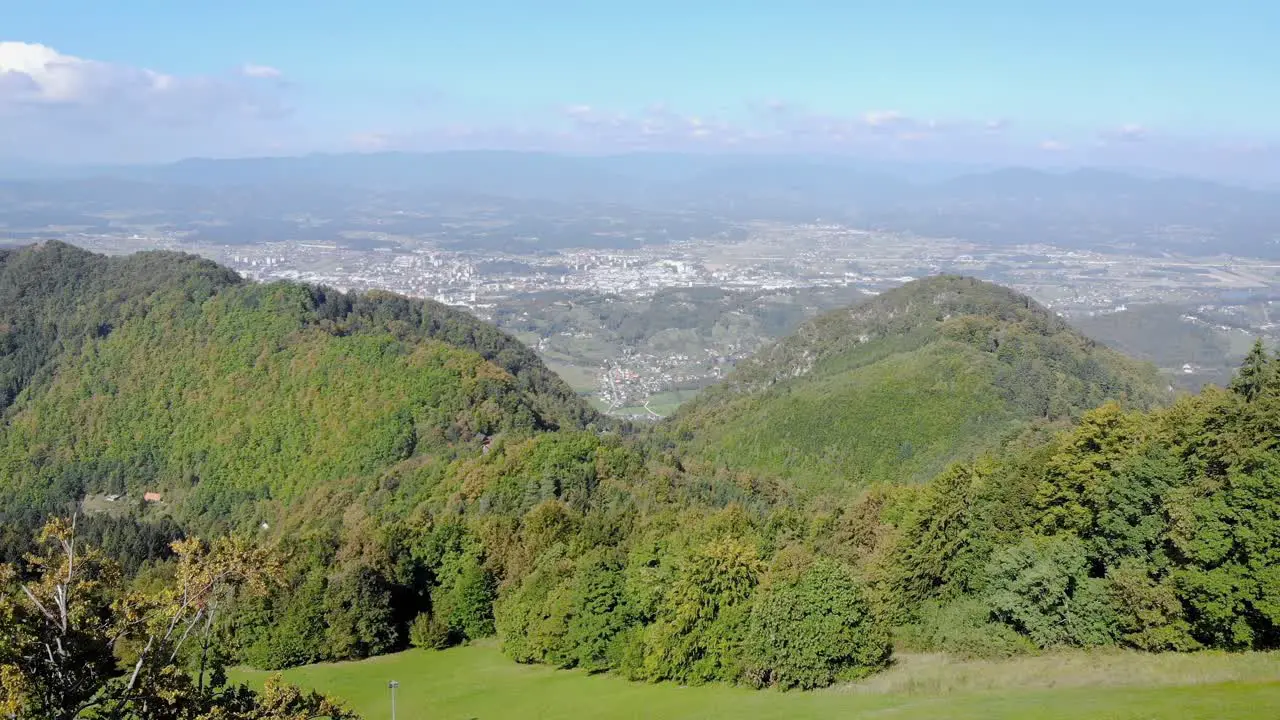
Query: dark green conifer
x=1255 y=373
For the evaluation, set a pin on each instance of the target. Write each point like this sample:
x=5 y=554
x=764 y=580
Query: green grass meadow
x=479 y=682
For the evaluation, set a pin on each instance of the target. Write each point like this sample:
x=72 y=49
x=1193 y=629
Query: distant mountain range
x=1087 y=207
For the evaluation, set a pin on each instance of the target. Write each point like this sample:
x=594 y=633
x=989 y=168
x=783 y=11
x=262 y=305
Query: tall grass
x=938 y=674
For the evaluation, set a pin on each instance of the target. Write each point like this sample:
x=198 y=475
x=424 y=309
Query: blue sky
x=1173 y=84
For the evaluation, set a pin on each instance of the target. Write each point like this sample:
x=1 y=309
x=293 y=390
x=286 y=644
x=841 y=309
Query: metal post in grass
x=393 y=685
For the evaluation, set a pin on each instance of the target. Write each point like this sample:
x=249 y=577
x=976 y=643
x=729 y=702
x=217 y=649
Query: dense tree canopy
x=948 y=468
x=76 y=642
x=895 y=388
x=165 y=373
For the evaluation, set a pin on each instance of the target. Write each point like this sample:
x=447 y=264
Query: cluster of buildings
x=765 y=255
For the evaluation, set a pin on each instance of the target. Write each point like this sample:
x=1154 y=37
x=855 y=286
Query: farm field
x=477 y=681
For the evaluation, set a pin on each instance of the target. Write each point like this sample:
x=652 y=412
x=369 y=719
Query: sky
x=1176 y=86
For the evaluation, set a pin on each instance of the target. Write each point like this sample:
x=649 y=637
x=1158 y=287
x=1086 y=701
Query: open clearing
x=479 y=682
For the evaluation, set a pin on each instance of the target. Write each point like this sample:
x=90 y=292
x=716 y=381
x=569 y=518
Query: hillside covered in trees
x=894 y=388
x=165 y=373
x=421 y=479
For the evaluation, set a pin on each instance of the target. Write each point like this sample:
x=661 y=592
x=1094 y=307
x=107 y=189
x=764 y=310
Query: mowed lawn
x=479 y=682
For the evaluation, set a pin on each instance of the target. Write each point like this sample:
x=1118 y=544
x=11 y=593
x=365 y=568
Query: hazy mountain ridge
x=1193 y=350
x=1080 y=208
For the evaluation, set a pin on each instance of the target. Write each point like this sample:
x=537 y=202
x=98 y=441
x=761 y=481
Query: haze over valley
x=642 y=280
x=533 y=361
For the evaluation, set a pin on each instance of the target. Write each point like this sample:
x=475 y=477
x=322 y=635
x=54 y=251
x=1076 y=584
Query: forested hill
x=894 y=388
x=162 y=372
x=403 y=474
x=54 y=297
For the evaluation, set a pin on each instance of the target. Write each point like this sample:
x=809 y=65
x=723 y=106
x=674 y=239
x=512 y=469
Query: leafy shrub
x=530 y=618
x=626 y=653
x=428 y=632
x=1042 y=588
x=963 y=628
x=599 y=613
x=359 y=616
x=698 y=631
x=464 y=602
x=1148 y=611
x=807 y=631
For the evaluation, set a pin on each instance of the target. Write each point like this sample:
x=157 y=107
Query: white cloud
x=265 y=72
x=39 y=74
x=1054 y=146
x=87 y=109
x=1128 y=133
x=883 y=118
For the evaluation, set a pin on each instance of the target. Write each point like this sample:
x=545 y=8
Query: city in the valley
x=640 y=323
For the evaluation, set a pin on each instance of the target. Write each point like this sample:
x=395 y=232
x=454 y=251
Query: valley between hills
x=907 y=501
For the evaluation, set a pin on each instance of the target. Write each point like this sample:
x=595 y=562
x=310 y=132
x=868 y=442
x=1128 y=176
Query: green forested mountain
x=412 y=476
x=165 y=373
x=1156 y=530
x=894 y=388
